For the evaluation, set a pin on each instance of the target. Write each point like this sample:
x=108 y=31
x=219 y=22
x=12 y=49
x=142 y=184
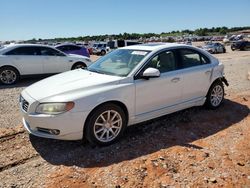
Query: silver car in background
x=214 y=48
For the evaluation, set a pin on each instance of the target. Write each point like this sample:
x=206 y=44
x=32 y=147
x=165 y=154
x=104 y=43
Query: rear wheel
x=9 y=75
x=215 y=95
x=105 y=125
x=79 y=65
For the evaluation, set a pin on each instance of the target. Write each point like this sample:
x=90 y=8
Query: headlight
x=54 y=108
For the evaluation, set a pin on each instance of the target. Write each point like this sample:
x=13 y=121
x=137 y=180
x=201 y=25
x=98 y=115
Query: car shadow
x=181 y=128
x=25 y=82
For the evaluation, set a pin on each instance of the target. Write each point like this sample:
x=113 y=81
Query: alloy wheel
x=8 y=76
x=107 y=126
x=216 y=95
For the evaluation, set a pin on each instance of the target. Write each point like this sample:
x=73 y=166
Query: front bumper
x=68 y=136
x=69 y=124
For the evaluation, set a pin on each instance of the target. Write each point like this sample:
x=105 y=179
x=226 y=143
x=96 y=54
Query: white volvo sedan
x=29 y=59
x=127 y=86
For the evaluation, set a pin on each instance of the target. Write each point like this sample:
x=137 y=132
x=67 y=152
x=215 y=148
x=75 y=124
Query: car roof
x=27 y=45
x=13 y=46
x=154 y=46
x=67 y=44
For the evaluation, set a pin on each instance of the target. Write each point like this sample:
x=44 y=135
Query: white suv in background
x=101 y=48
x=127 y=86
x=29 y=59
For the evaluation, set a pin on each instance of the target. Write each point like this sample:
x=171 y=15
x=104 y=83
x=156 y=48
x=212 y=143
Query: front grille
x=25 y=104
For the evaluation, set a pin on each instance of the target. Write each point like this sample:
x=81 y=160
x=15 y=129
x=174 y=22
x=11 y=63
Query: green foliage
x=136 y=36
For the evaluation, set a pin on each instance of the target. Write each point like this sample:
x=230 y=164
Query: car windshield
x=120 y=62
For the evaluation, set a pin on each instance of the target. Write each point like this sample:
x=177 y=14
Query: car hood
x=69 y=82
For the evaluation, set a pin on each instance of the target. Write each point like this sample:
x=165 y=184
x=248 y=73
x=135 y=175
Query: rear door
x=54 y=61
x=27 y=59
x=196 y=71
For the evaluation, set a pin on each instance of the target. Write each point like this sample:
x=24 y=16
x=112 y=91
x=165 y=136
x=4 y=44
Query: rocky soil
x=191 y=148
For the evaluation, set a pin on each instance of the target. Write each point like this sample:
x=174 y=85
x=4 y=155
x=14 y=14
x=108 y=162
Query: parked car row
x=21 y=60
x=217 y=47
x=125 y=87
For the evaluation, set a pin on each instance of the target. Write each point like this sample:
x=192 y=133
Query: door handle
x=208 y=72
x=175 y=80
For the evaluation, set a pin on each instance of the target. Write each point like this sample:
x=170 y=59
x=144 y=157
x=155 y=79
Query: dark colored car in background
x=73 y=49
x=241 y=45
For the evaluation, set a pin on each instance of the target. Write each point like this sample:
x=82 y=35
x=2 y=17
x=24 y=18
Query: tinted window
x=24 y=51
x=164 y=62
x=190 y=58
x=111 y=44
x=62 y=48
x=132 y=43
x=50 y=52
x=71 y=48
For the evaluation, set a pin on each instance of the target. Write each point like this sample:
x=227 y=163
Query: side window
x=24 y=51
x=71 y=48
x=191 y=58
x=49 y=52
x=62 y=48
x=164 y=62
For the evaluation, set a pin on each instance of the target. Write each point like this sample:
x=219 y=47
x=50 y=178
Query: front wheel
x=105 y=125
x=79 y=66
x=215 y=95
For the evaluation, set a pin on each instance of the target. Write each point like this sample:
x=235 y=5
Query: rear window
x=191 y=58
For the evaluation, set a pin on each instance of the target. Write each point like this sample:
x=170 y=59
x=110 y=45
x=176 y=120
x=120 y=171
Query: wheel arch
x=78 y=62
x=220 y=79
x=11 y=66
x=116 y=102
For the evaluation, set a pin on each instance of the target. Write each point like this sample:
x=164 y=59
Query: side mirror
x=151 y=73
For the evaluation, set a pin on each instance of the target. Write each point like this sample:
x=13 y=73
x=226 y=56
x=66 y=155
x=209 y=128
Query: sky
x=27 y=19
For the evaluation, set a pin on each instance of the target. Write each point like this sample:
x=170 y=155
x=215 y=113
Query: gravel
x=197 y=148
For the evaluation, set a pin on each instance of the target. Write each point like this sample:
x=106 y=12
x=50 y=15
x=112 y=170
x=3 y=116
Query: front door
x=162 y=92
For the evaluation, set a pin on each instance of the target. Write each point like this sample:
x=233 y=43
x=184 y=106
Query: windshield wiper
x=94 y=70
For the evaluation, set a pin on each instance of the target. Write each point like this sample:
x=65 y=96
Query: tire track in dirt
x=15 y=149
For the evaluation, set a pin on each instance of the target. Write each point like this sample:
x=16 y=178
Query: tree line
x=135 y=36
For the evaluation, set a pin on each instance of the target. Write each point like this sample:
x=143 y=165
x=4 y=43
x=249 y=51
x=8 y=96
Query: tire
x=78 y=65
x=9 y=75
x=103 y=52
x=98 y=131
x=215 y=95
